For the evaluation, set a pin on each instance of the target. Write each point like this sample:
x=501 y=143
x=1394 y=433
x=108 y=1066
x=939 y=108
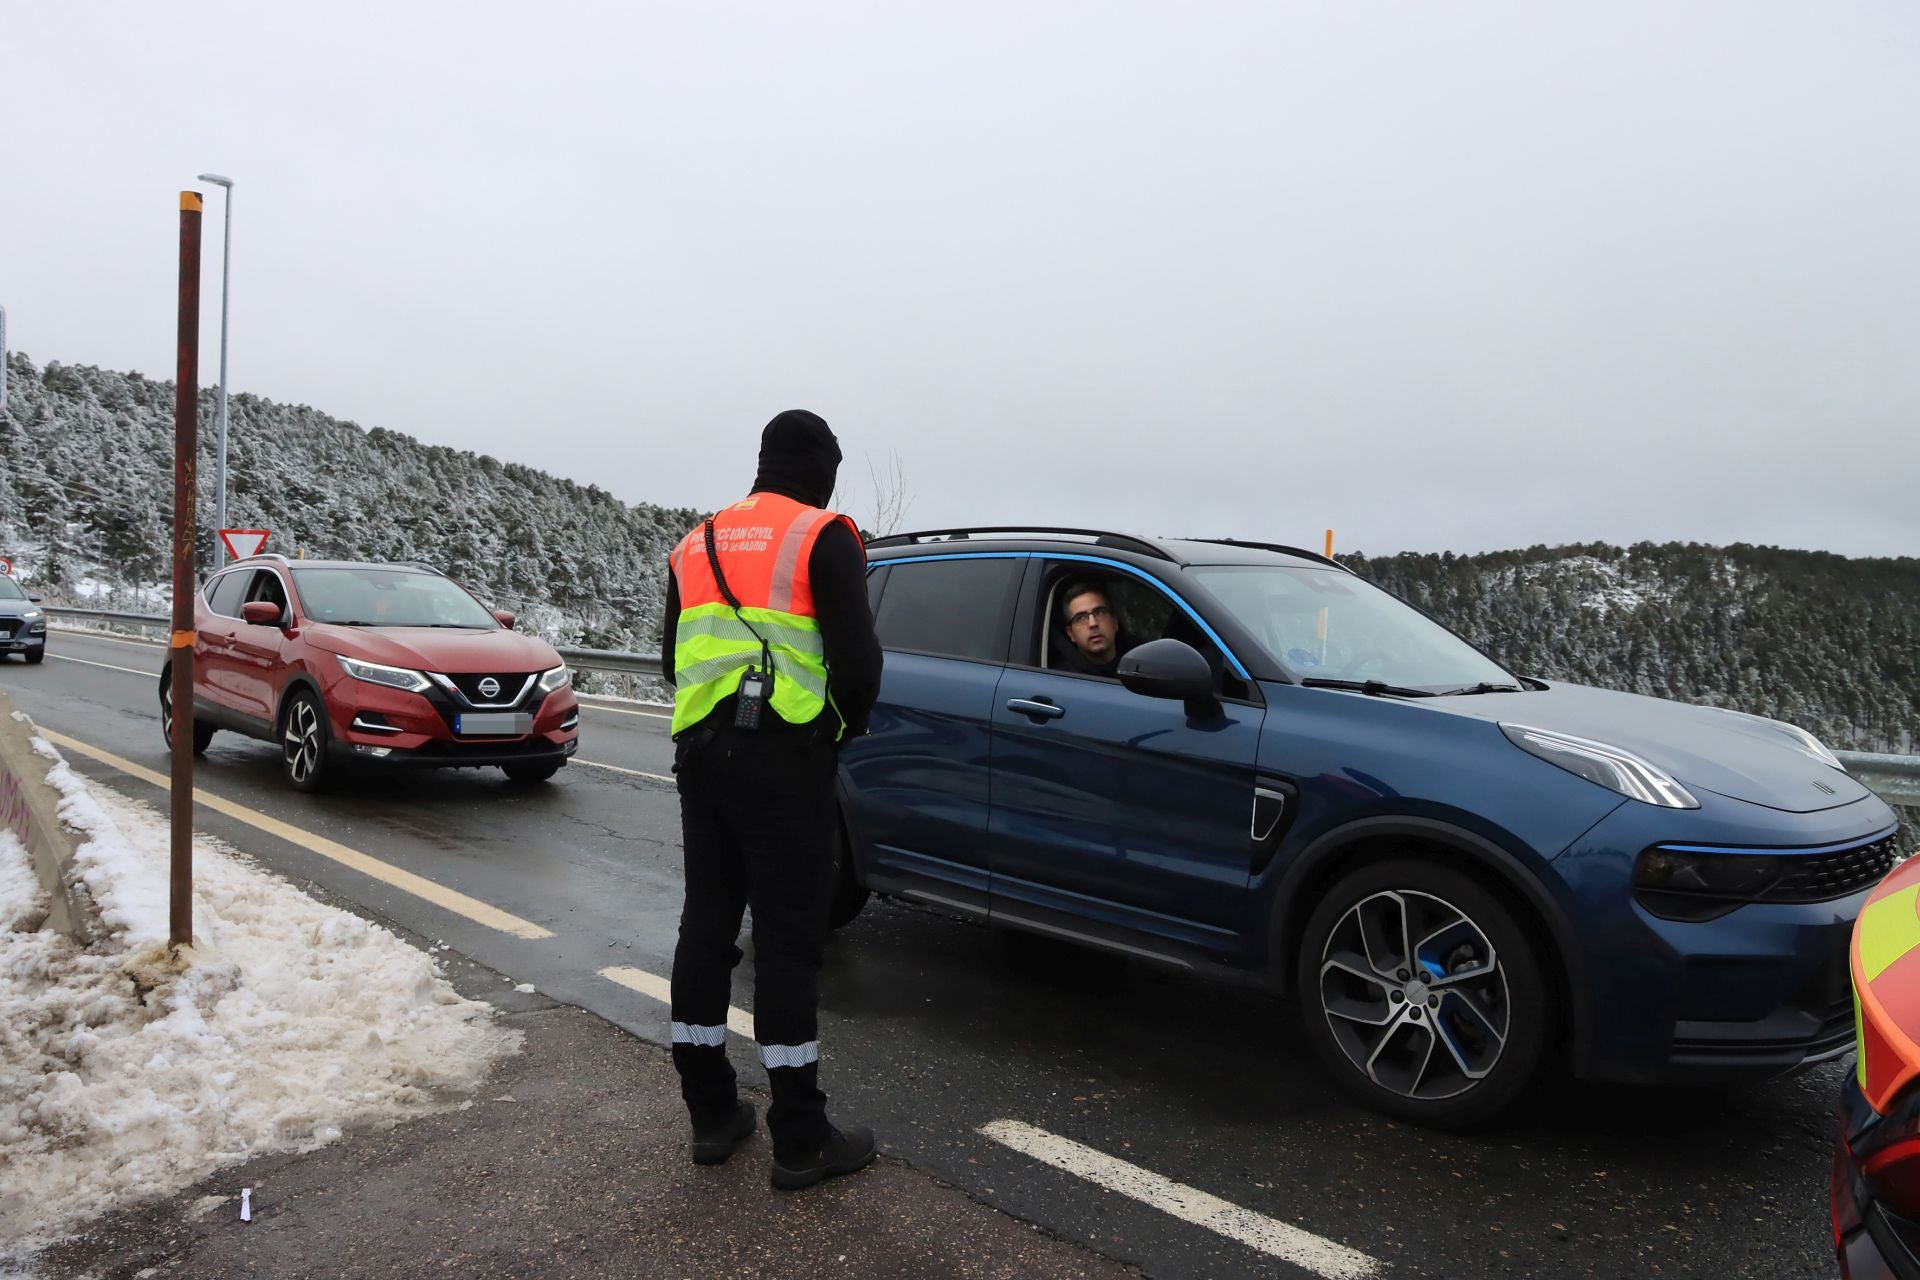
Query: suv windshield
x=10 y=590
x=388 y=598
x=1324 y=624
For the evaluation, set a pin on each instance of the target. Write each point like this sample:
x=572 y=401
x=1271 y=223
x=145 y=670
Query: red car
x=388 y=664
x=1876 y=1165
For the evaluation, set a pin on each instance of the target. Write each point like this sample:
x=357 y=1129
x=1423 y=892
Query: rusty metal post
x=186 y=433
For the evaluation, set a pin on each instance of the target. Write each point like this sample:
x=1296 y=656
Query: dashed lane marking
x=105 y=666
x=655 y=987
x=636 y=773
x=1255 y=1230
x=623 y=711
x=133 y=642
x=405 y=881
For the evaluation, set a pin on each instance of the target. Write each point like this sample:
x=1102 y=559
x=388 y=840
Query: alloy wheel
x=166 y=711
x=302 y=741
x=1415 y=995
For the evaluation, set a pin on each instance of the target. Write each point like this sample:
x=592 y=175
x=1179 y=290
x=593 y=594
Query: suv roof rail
x=1302 y=552
x=417 y=564
x=262 y=555
x=1099 y=537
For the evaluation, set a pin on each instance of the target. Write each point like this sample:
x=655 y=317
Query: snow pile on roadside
x=127 y=1072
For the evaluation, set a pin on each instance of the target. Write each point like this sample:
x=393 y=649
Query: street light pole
x=220 y=469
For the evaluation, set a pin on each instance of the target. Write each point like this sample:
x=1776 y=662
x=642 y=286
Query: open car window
x=1142 y=612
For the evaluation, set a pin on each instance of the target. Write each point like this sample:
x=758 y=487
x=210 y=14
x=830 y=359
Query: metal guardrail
x=1895 y=779
x=607 y=660
x=626 y=664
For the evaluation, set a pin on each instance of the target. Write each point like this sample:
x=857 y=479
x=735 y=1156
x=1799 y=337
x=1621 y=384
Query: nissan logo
x=489 y=687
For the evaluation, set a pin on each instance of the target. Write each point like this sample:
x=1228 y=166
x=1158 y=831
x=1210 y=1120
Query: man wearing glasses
x=1094 y=630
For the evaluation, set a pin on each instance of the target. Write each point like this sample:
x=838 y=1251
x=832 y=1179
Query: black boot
x=713 y=1146
x=844 y=1151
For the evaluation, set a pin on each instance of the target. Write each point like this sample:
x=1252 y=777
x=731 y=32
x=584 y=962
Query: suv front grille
x=1823 y=876
x=7 y=627
x=507 y=688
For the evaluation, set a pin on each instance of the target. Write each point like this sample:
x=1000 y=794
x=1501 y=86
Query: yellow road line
x=104 y=666
x=405 y=881
x=637 y=773
x=655 y=987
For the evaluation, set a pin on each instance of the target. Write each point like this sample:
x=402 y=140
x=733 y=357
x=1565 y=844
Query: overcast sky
x=1462 y=275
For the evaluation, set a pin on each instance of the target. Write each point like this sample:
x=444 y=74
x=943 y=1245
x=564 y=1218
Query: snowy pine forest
x=1822 y=640
x=86 y=505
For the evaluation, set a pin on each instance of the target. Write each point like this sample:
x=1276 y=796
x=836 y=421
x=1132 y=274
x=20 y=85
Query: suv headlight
x=1803 y=742
x=391 y=677
x=558 y=678
x=1614 y=768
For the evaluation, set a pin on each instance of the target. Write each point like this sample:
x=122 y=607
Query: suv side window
x=953 y=608
x=223 y=593
x=1142 y=612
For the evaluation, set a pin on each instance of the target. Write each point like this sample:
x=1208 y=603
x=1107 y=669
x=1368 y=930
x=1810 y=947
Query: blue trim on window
x=1163 y=588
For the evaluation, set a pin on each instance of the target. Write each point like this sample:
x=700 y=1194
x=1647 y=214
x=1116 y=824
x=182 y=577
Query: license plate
x=493 y=724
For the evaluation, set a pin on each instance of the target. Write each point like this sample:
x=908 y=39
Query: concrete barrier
x=30 y=809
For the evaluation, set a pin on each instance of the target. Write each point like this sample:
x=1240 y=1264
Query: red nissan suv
x=391 y=664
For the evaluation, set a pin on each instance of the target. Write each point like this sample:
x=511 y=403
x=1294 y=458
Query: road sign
x=6 y=566
x=242 y=543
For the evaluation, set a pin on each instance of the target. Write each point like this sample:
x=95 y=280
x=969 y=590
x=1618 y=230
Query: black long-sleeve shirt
x=837 y=570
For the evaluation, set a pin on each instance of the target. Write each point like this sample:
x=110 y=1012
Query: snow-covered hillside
x=86 y=502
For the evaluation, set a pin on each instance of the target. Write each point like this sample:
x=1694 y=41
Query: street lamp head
x=214 y=177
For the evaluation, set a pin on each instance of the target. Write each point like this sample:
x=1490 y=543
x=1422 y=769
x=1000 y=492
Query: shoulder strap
x=719 y=578
x=733 y=601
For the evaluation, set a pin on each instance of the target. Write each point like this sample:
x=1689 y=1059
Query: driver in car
x=1090 y=623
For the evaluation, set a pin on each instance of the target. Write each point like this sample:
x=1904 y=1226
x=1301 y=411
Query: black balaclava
x=798 y=458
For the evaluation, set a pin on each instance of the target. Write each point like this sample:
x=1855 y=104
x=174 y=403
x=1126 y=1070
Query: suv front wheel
x=1422 y=992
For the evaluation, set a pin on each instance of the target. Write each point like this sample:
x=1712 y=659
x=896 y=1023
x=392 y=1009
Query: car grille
x=7 y=627
x=1823 y=876
x=508 y=691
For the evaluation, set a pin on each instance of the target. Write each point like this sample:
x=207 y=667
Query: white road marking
x=614 y=768
x=623 y=711
x=405 y=881
x=655 y=987
x=102 y=636
x=104 y=666
x=1255 y=1230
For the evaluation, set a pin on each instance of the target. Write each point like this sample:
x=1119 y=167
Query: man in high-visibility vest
x=769 y=643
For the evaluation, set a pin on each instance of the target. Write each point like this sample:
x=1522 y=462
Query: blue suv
x=1296 y=779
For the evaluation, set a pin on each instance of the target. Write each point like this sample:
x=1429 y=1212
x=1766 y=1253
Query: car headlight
x=37 y=629
x=391 y=677
x=31 y=614
x=1614 y=768
x=1803 y=742
x=558 y=678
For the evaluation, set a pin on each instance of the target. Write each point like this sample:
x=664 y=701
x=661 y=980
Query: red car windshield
x=389 y=598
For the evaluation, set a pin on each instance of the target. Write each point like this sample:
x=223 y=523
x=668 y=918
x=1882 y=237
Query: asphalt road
x=934 y=1029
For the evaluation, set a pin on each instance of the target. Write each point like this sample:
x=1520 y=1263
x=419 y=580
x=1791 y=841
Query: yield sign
x=242 y=543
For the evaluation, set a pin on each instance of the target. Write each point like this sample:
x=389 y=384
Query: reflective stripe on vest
x=765 y=545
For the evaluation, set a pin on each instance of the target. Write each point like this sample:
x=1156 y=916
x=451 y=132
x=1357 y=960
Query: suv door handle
x=1038 y=708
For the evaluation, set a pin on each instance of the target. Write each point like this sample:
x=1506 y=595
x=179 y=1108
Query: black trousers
x=757 y=820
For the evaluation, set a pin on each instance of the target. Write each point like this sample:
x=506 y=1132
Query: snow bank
x=127 y=1072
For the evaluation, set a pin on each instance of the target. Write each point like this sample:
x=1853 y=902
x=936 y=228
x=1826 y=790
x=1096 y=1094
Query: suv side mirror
x=33 y=599
x=1171 y=669
x=504 y=618
x=261 y=613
